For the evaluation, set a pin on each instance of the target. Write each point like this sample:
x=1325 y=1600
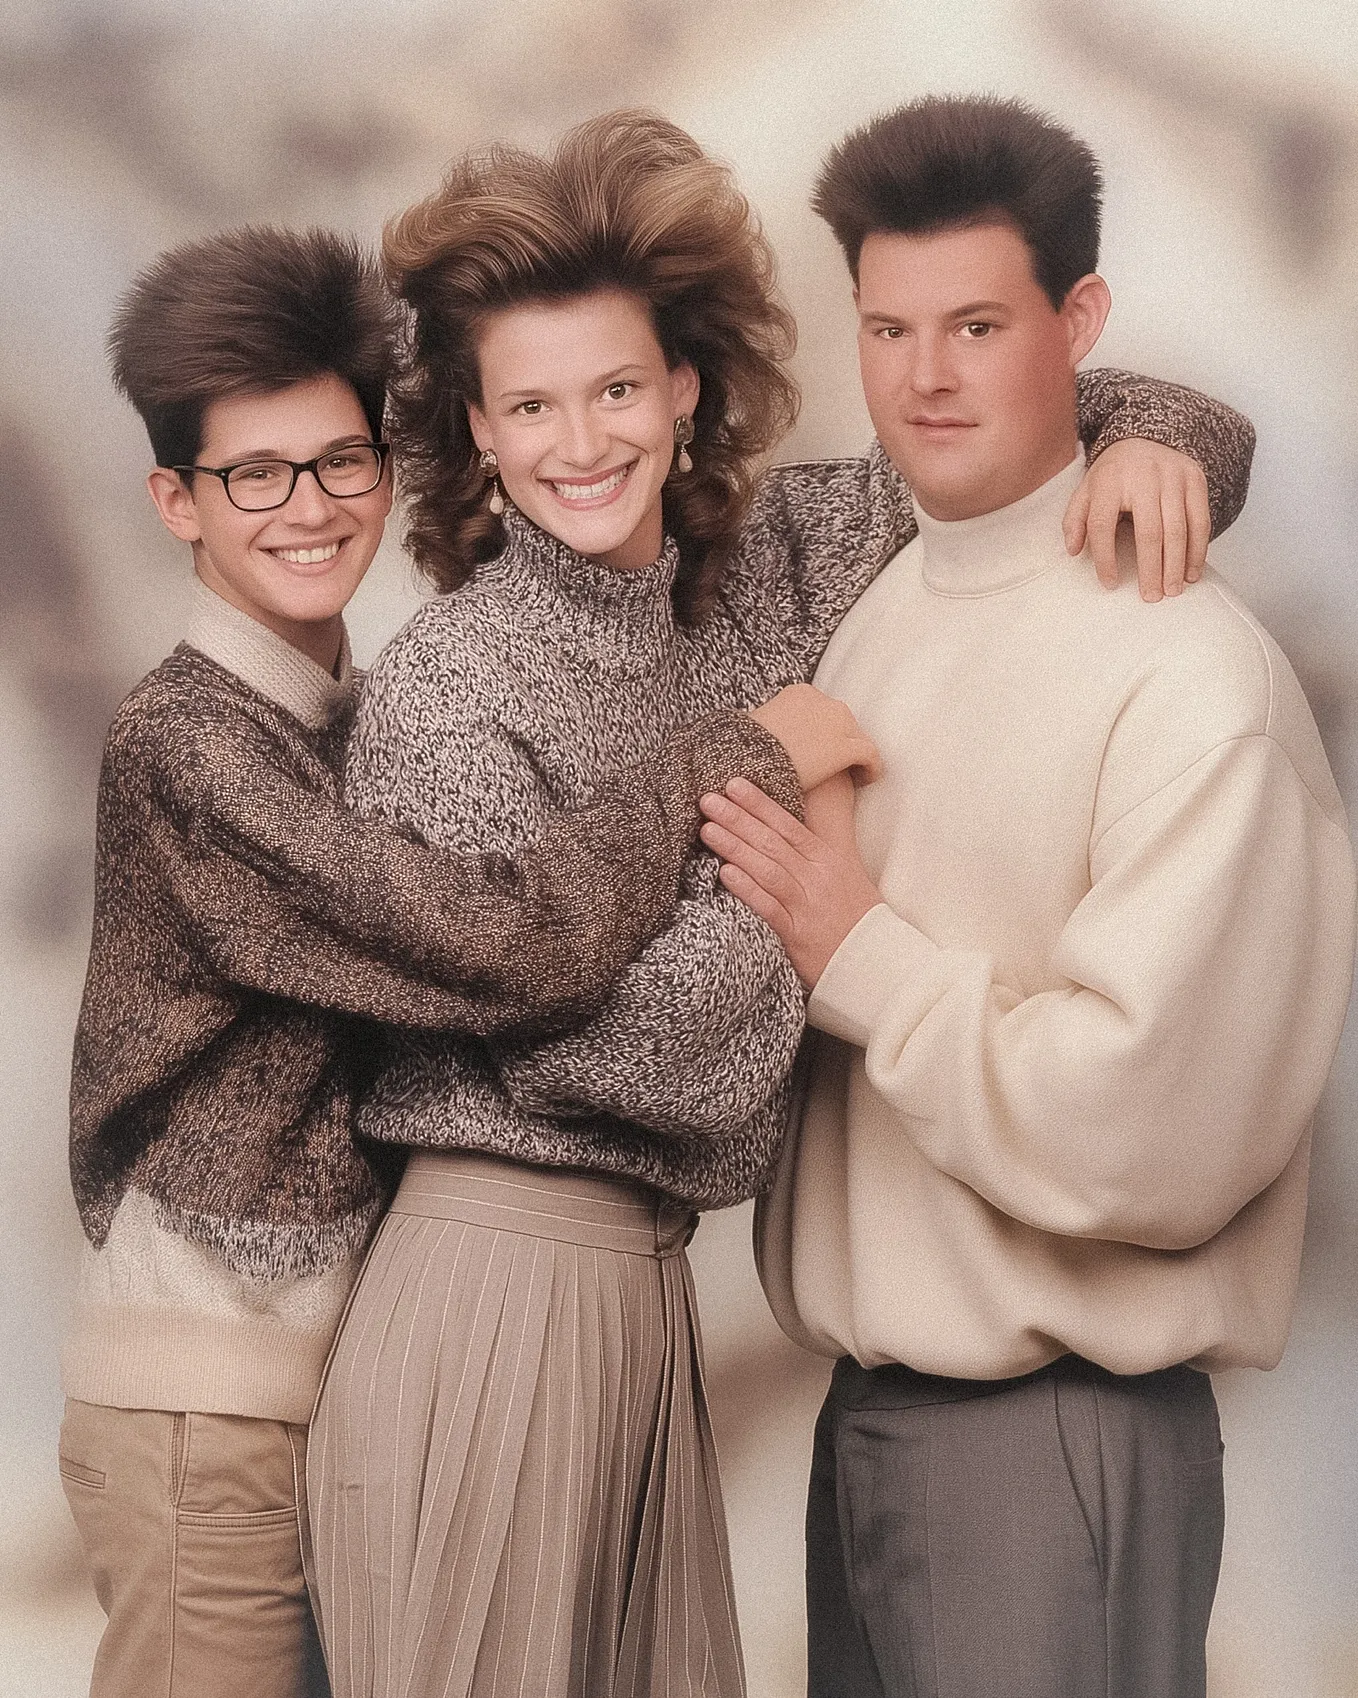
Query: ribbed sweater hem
x=127 y=1357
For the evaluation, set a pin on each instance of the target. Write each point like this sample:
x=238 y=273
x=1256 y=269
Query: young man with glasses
x=248 y=934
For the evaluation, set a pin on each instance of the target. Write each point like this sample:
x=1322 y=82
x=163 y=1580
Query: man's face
x=968 y=369
x=293 y=567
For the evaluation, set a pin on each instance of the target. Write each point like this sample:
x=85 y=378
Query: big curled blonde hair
x=627 y=201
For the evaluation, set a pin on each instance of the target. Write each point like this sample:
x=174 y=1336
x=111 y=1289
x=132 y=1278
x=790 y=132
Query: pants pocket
x=235 y=1469
x=77 y=1472
x=80 y=1447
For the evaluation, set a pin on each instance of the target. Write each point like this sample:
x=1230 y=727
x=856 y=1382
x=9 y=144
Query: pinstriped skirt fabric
x=512 y=1477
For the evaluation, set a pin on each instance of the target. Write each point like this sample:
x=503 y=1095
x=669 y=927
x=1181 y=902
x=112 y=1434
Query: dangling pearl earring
x=683 y=435
x=490 y=465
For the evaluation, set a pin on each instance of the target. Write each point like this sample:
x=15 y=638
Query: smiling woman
x=643 y=255
x=595 y=366
x=586 y=455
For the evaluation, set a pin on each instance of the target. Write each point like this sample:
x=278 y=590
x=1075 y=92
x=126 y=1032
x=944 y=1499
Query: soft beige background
x=1230 y=137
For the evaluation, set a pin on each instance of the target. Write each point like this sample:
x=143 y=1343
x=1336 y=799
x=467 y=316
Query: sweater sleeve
x=1118 y=404
x=290 y=893
x=1169 y=1078
x=697 y=1037
x=820 y=531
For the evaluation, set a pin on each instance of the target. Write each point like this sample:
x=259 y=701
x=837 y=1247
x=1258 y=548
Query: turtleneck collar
x=622 y=618
x=995 y=551
x=262 y=659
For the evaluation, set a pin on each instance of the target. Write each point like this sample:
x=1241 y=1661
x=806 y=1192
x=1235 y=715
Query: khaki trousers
x=191 y=1525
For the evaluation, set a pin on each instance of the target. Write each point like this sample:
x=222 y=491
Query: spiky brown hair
x=947 y=161
x=247 y=311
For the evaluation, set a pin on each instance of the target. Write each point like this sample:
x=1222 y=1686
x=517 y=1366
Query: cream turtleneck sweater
x=1061 y=1102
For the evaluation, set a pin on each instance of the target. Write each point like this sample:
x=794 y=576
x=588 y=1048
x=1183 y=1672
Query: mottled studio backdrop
x=1229 y=131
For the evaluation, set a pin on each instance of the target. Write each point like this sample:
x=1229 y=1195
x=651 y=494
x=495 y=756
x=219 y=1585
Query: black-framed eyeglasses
x=257 y=485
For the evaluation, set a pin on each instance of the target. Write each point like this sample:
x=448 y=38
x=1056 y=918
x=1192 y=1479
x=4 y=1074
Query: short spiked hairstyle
x=947 y=162
x=626 y=201
x=249 y=311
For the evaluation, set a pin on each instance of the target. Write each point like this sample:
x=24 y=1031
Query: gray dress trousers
x=1054 y=1536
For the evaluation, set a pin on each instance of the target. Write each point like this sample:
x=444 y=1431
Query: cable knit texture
x=521 y=692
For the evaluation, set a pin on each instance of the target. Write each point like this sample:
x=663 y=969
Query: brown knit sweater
x=248 y=928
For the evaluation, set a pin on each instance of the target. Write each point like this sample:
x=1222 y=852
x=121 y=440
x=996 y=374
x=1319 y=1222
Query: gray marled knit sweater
x=498 y=704
x=521 y=692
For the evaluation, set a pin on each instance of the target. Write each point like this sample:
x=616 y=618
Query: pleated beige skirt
x=513 y=1483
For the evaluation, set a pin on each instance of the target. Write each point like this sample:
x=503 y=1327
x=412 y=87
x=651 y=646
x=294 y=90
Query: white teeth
x=307 y=556
x=588 y=491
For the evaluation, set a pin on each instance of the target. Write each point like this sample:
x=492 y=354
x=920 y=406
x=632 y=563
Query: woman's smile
x=583 y=383
x=597 y=491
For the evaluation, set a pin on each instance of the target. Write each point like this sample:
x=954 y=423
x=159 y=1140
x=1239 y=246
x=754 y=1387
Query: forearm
x=1118 y=404
x=698 y=1034
x=819 y=532
x=308 y=900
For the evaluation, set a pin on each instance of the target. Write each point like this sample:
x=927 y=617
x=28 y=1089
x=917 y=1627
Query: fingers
x=1073 y=526
x=1103 y=511
x=745 y=803
x=740 y=837
x=755 y=898
x=1174 y=523
x=1165 y=495
x=1149 y=528
x=867 y=768
x=764 y=870
x=1199 y=511
x=853 y=749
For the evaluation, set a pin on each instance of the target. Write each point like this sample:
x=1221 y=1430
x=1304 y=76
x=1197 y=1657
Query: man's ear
x=1085 y=311
x=175 y=504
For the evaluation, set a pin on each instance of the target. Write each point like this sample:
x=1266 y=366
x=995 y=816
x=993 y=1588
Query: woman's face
x=579 y=407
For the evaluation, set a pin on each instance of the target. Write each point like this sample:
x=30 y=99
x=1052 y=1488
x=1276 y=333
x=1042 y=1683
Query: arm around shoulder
x=1115 y=405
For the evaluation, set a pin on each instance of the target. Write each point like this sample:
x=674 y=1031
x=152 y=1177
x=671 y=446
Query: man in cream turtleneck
x=1074 y=1004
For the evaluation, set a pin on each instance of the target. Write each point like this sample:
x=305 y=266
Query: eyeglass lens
x=268 y=483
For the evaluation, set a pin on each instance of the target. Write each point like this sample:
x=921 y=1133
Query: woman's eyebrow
x=600 y=382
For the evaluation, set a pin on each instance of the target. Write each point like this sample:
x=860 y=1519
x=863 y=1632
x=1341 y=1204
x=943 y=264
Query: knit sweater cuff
x=732 y=745
x=884 y=963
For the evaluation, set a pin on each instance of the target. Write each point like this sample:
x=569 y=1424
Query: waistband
x=590 y=1209
x=893 y=1385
